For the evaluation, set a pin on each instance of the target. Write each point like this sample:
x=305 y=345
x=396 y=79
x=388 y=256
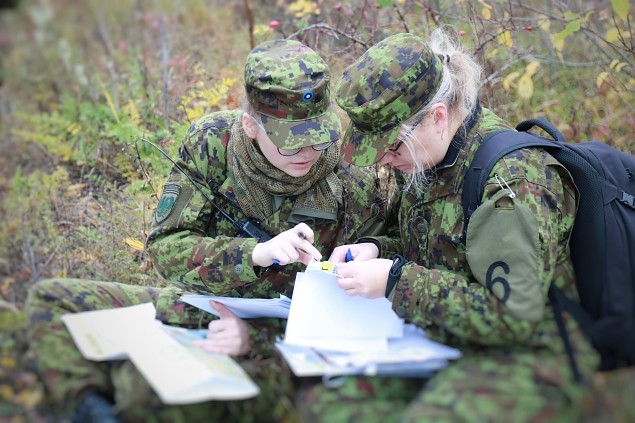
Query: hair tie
x=445 y=58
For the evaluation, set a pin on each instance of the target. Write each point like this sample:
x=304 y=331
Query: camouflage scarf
x=259 y=185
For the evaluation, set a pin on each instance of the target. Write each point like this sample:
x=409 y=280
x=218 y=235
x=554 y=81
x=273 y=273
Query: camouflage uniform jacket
x=198 y=250
x=439 y=291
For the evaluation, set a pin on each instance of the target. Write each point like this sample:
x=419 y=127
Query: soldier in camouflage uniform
x=275 y=165
x=413 y=105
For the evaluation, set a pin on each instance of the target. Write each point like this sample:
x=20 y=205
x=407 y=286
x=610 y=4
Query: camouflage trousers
x=66 y=374
x=515 y=387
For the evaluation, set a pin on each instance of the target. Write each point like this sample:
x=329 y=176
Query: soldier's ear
x=439 y=113
x=250 y=127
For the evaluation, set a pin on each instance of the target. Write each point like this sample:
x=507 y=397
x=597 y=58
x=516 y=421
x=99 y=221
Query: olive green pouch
x=502 y=251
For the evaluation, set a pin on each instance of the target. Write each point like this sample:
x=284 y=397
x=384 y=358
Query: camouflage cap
x=287 y=83
x=388 y=84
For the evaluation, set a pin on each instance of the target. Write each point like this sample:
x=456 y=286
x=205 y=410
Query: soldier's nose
x=386 y=159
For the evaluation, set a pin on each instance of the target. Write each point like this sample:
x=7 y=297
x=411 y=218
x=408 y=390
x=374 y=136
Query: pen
x=349 y=256
x=302 y=236
x=322 y=356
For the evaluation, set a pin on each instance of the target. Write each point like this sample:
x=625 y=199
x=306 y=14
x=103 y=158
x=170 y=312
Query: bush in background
x=81 y=81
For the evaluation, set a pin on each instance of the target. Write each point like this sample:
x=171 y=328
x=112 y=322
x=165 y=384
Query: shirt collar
x=459 y=139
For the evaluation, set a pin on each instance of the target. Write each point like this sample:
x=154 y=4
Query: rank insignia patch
x=166 y=204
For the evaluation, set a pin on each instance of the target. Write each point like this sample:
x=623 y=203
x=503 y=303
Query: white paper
x=321 y=309
x=244 y=308
x=341 y=344
x=98 y=333
x=179 y=377
x=412 y=355
x=179 y=372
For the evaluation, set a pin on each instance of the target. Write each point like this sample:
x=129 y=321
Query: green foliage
x=78 y=191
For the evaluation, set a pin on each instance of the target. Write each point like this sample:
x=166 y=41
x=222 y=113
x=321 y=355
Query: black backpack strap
x=558 y=302
x=543 y=124
x=491 y=150
x=583 y=318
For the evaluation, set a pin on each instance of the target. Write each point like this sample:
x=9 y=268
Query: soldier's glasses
x=401 y=138
x=396 y=146
x=293 y=151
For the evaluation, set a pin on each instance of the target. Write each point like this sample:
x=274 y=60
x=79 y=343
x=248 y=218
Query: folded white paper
x=412 y=355
x=179 y=372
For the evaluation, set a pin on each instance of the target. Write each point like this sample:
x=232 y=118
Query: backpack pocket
x=502 y=251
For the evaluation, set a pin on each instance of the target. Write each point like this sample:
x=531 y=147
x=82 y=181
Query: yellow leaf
x=262 y=30
x=545 y=25
x=7 y=362
x=506 y=39
x=525 y=87
x=612 y=35
x=532 y=67
x=620 y=66
x=160 y=187
x=136 y=244
x=508 y=82
x=491 y=53
x=4 y=286
x=601 y=78
x=485 y=12
x=29 y=398
x=621 y=8
x=301 y=8
x=558 y=43
x=6 y=393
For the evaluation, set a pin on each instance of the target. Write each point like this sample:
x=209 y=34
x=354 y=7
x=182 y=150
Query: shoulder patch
x=168 y=198
x=503 y=249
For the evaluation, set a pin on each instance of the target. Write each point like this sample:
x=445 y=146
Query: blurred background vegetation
x=81 y=80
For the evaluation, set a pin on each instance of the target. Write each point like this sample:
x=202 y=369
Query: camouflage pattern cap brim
x=290 y=134
x=366 y=149
x=388 y=84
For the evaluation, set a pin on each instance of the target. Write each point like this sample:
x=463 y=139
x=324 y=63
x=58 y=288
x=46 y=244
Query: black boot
x=94 y=408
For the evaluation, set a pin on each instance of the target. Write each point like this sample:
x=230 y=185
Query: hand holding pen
x=354 y=252
x=293 y=245
x=364 y=278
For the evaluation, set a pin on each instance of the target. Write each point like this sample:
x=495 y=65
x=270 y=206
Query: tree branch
x=334 y=32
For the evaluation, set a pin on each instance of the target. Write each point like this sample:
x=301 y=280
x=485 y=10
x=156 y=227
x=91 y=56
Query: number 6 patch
x=503 y=253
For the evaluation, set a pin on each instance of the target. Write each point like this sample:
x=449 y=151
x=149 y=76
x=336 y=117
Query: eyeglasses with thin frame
x=402 y=138
x=293 y=151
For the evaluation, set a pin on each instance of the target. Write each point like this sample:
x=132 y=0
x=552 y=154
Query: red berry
x=530 y=28
x=274 y=24
x=337 y=7
x=461 y=33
